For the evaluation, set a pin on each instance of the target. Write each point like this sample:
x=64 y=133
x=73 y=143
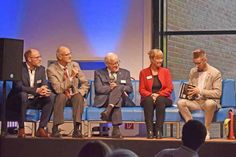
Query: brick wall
x=191 y=15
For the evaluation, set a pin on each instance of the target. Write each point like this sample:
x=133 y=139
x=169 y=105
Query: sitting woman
x=155 y=89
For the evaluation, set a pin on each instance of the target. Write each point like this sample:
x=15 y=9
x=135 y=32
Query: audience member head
x=94 y=149
x=33 y=58
x=122 y=153
x=200 y=59
x=63 y=55
x=156 y=57
x=193 y=134
x=112 y=62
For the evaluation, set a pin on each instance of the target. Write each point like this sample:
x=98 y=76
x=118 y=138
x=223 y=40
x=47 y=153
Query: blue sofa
x=135 y=114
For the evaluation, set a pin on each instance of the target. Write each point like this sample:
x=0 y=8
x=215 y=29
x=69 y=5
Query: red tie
x=65 y=77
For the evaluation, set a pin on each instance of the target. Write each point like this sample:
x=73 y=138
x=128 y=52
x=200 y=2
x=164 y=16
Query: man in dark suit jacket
x=31 y=91
x=112 y=86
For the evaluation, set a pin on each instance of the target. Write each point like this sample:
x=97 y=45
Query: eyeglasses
x=115 y=63
x=38 y=57
x=67 y=54
x=199 y=63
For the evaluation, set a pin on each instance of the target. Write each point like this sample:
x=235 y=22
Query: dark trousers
x=116 y=98
x=159 y=105
x=19 y=103
x=77 y=102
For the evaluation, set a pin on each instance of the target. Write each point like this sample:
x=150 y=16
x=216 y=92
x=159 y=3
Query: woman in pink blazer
x=155 y=89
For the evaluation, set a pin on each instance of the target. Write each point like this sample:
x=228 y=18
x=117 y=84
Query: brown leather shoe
x=21 y=133
x=41 y=133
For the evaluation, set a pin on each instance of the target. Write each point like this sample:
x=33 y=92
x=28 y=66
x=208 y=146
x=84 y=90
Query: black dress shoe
x=116 y=132
x=104 y=116
x=77 y=134
x=56 y=132
x=159 y=134
x=150 y=135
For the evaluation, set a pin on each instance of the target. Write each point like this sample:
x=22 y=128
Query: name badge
x=39 y=81
x=149 y=77
x=122 y=81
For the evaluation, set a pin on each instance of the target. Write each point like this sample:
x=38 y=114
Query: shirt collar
x=28 y=67
x=62 y=67
x=109 y=71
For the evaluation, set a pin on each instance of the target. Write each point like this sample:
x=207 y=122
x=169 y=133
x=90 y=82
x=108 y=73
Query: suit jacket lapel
x=26 y=74
x=107 y=75
x=119 y=76
x=59 y=70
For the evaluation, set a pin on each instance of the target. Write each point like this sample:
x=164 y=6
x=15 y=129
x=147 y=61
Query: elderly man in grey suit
x=70 y=85
x=208 y=88
x=112 y=86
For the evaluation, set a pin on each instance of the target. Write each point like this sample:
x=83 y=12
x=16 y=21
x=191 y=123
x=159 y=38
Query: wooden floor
x=11 y=146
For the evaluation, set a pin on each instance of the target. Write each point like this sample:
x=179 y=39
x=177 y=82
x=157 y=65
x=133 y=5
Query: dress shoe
x=116 y=132
x=105 y=115
x=77 y=133
x=41 y=133
x=150 y=135
x=21 y=133
x=159 y=134
x=56 y=132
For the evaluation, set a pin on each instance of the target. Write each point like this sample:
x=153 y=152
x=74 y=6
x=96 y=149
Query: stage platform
x=69 y=147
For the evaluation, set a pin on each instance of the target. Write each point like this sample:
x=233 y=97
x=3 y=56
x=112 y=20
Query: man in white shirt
x=193 y=137
x=208 y=89
x=31 y=92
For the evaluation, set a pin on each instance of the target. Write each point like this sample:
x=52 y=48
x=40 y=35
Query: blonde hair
x=155 y=53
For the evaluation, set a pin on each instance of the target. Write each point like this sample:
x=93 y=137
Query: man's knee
x=210 y=105
x=182 y=103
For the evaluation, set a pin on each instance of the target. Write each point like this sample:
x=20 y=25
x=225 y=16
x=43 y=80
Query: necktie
x=65 y=77
x=112 y=77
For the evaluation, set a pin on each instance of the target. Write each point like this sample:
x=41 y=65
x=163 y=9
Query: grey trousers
x=116 y=99
x=77 y=102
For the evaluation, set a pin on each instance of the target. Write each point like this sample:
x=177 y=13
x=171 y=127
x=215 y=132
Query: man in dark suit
x=70 y=85
x=112 y=86
x=31 y=91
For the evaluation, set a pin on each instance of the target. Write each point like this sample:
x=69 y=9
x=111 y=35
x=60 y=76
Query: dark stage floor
x=69 y=147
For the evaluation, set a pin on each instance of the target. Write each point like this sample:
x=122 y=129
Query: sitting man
x=207 y=82
x=70 y=85
x=31 y=91
x=193 y=137
x=112 y=86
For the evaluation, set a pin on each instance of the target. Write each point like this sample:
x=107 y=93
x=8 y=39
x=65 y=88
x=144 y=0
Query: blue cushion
x=199 y=115
x=172 y=114
x=32 y=115
x=228 y=93
x=175 y=93
x=221 y=115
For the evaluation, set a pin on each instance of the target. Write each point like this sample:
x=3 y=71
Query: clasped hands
x=193 y=91
x=113 y=84
x=154 y=96
x=43 y=91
